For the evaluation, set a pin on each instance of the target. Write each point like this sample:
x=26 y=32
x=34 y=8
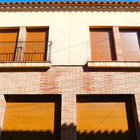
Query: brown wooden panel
x=35 y=50
x=130 y=45
x=7 y=44
x=101 y=117
x=29 y=117
x=102 y=120
x=31 y=120
x=101 y=45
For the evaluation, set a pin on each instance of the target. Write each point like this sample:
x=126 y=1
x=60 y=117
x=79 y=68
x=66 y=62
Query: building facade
x=70 y=70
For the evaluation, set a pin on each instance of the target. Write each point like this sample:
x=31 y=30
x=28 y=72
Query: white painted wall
x=69 y=31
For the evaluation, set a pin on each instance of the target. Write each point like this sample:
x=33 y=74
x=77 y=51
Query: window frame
x=119 y=61
x=21 y=98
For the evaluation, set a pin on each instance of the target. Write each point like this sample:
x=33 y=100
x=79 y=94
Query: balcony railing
x=25 y=51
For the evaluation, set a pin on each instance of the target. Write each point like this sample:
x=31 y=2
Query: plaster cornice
x=62 y=6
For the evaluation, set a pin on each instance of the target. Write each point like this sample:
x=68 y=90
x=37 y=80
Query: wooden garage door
x=8 y=40
x=102 y=121
x=36 y=45
x=29 y=121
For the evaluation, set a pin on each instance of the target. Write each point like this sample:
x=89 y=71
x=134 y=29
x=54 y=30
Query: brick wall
x=69 y=81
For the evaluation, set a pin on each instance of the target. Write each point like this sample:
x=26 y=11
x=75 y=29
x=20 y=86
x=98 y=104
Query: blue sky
x=61 y=0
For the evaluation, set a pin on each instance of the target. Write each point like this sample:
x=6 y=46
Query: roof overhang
x=70 y=6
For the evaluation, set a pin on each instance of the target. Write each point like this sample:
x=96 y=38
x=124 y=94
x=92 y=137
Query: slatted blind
x=130 y=45
x=29 y=119
x=7 y=44
x=101 y=45
x=99 y=118
x=35 y=48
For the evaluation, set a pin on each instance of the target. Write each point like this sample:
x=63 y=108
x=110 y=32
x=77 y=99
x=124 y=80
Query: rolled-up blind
x=102 y=120
x=33 y=121
x=35 y=45
x=130 y=45
x=101 y=45
x=8 y=40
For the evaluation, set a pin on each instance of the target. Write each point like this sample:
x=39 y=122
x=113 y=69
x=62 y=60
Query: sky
x=62 y=0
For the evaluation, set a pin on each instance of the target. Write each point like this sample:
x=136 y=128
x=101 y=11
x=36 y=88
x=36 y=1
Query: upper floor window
x=102 y=48
x=130 y=44
x=36 y=45
x=24 y=45
x=115 y=44
x=8 y=41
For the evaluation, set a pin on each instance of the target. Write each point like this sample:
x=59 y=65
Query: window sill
x=25 y=65
x=117 y=64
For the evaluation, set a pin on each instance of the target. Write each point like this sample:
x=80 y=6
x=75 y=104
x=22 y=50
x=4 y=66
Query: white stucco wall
x=69 y=31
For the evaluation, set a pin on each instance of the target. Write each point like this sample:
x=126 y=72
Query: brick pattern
x=2 y=110
x=137 y=121
x=69 y=81
x=68 y=119
x=118 y=47
x=20 y=82
x=72 y=80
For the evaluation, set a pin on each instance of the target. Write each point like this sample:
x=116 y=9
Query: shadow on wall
x=106 y=117
x=97 y=135
x=35 y=117
x=27 y=135
x=87 y=69
x=104 y=135
x=68 y=130
x=24 y=69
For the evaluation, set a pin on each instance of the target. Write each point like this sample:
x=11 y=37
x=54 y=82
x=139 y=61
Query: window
x=32 y=117
x=8 y=40
x=115 y=43
x=102 y=48
x=24 y=45
x=36 y=45
x=130 y=44
x=108 y=117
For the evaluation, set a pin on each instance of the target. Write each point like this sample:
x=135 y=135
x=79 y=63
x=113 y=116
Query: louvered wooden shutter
x=7 y=44
x=130 y=45
x=32 y=121
x=101 y=45
x=101 y=119
x=35 y=48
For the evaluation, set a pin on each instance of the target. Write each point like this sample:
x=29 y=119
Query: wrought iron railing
x=25 y=51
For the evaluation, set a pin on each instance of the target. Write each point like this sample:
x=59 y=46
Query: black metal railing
x=25 y=51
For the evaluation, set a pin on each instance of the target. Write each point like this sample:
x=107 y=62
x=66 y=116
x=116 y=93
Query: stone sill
x=25 y=65
x=117 y=64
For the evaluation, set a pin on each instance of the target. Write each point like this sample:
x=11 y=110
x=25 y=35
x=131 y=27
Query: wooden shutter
x=7 y=44
x=100 y=120
x=33 y=120
x=35 y=46
x=130 y=45
x=101 y=45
